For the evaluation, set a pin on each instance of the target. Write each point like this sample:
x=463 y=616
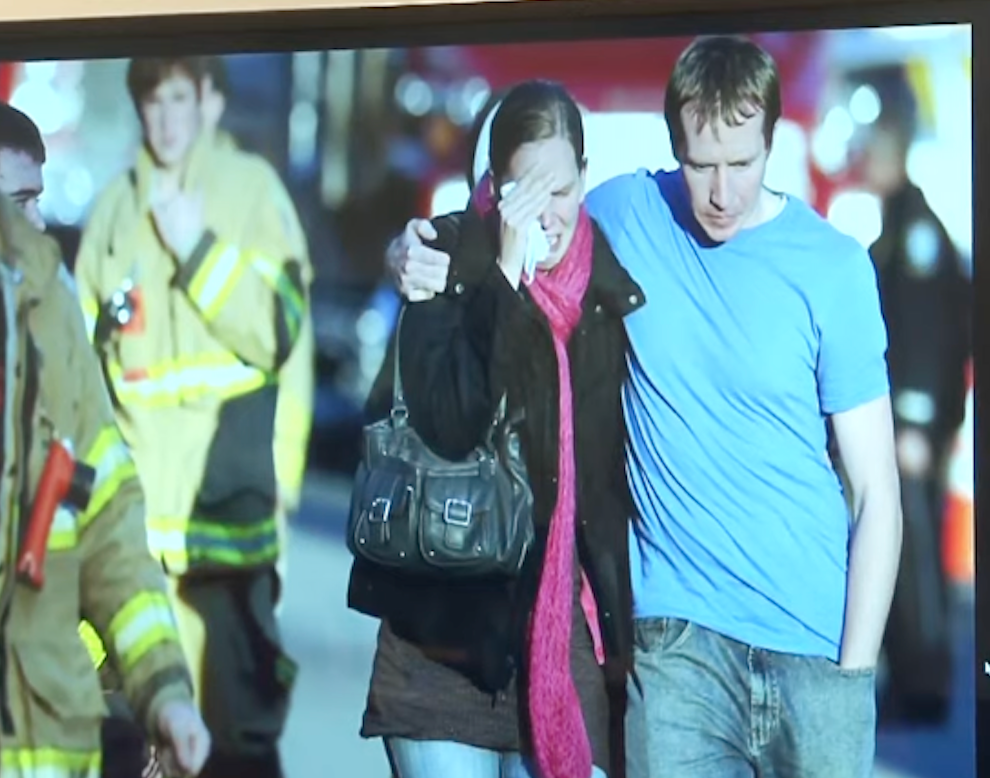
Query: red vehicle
x=6 y=80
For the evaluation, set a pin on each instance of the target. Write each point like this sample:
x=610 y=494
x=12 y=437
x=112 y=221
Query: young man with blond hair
x=191 y=277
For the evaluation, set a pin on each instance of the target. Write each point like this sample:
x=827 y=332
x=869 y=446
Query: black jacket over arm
x=459 y=353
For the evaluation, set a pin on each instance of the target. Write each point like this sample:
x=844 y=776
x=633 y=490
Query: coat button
x=634 y=299
x=458 y=288
x=598 y=308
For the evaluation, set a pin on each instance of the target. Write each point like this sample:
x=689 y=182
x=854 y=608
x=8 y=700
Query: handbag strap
x=398 y=397
x=400 y=411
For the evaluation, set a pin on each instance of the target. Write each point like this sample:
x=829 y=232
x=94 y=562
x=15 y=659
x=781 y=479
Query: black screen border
x=454 y=23
x=562 y=20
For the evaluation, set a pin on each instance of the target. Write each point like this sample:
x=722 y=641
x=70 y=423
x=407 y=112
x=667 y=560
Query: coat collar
x=28 y=258
x=611 y=285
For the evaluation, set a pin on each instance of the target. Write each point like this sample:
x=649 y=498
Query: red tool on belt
x=63 y=480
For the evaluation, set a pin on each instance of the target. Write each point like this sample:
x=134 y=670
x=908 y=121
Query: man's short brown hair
x=725 y=77
x=19 y=133
x=215 y=69
x=145 y=74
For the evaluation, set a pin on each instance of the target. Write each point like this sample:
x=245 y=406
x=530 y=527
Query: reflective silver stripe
x=218 y=276
x=181 y=381
x=48 y=763
x=144 y=621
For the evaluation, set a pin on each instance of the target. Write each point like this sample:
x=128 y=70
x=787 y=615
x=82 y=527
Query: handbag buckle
x=462 y=518
x=380 y=509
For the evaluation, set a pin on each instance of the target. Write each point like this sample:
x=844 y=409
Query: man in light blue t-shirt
x=760 y=602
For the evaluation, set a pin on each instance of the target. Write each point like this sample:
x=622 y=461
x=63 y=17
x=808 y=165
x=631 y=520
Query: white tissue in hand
x=537 y=245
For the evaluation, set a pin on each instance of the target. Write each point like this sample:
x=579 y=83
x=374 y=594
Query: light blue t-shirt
x=741 y=352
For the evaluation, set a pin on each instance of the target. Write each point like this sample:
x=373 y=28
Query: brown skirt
x=413 y=696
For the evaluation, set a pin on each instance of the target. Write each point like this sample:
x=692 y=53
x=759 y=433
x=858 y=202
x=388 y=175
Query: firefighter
x=924 y=292
x=296 y=383
x=92 y=558
x=192 y=285
x=22 y=156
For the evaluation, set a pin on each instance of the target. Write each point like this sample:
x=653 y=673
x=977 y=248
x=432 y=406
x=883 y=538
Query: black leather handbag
x=421 y=515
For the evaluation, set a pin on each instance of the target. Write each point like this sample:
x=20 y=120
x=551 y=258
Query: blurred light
x=921 y=32
x=372 y=331
x=65 y=213
x=464 y=101
x=414 y=95
x=787 y=167
x=943 y=171
x=456 y=108
x=440 y=135
x=371 y=327
x=449 y=196
x=304 y=122
x=72 y=73
x=645 y=144
x=857 y=214
x=78 y=186
x=864 y=105
x=830 y=142
x=40 y=71
x=72 y=106
x=40 y=101
x=63 y=204
x=306 y=70
x=478 y=92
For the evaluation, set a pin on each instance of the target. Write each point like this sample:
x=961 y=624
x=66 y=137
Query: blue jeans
x=447 y=759
x=712 y=707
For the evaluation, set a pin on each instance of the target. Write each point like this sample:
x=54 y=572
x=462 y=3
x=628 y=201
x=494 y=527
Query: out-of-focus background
x=367 y=139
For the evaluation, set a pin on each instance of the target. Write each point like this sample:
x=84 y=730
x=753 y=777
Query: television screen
x=842 y=234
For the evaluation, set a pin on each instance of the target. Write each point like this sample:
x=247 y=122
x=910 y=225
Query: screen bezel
x=434 y=25
x=493 y=22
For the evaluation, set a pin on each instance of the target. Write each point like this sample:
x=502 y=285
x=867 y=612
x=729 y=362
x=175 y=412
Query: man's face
x=170 y=117
x=20 y=179
x=723 y=167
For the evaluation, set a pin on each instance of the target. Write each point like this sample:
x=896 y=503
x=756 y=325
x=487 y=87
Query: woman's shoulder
x=610 y=281
x=448 y=228
x=466 y=237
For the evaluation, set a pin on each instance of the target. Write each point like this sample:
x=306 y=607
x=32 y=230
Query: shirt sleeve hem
x=847 y=402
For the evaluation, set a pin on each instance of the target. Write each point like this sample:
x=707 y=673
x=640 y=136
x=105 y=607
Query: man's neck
x=768 y=208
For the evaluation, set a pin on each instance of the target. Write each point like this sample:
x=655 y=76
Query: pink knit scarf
x=560 y=738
